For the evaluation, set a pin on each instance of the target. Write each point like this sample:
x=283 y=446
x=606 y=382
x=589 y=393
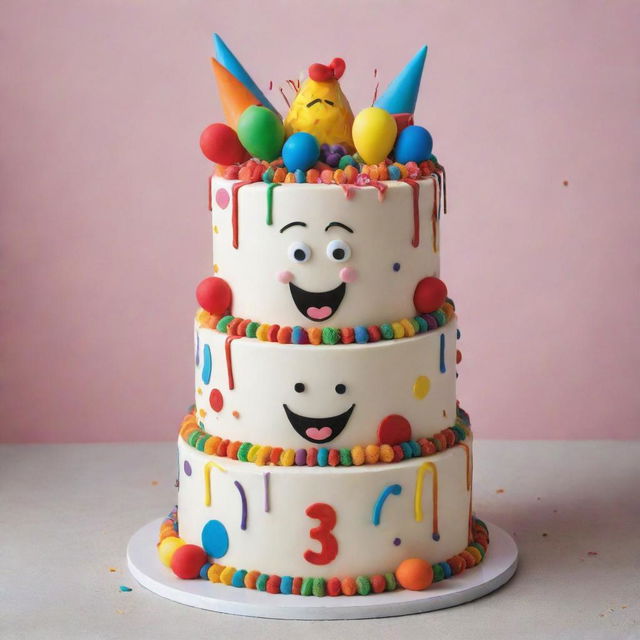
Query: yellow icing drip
x=207 y=481
x=431 y=467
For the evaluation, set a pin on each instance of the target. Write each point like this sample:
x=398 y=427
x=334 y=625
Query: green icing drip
x=270 y=188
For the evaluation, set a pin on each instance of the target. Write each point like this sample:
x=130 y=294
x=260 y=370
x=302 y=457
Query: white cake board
x=497 y=568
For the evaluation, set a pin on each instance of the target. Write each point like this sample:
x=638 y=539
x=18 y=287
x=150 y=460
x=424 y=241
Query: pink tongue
x=318 y=434
x=319 y=313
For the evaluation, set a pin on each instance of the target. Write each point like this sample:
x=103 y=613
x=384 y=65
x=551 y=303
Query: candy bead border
x=195 y=436
x=405 y=328
x=471 y=556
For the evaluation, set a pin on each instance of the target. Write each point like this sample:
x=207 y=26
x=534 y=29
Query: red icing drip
x=234 y=212
x=434 y=213
x=381 y=187
x=227 y=353
x=416 y=210
x=348 y=190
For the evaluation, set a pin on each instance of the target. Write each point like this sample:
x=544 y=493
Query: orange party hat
x=235 y=97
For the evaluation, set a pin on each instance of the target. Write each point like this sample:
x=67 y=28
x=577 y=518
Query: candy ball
x=414 y=144
x=214 y=295
x=415 y=574
x=300 y=151
x=167 y=547
x=187 y=561
x=261 y=132
x=429 y=295
x=220 y=143
x=374 y=132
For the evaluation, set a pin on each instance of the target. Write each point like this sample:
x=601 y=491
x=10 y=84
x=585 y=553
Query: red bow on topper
x=323 y=73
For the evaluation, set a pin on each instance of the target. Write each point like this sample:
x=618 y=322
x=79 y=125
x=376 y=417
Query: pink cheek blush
x=348 y=274
x=285 y=276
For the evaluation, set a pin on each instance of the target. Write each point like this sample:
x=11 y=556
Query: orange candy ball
x=414 y=574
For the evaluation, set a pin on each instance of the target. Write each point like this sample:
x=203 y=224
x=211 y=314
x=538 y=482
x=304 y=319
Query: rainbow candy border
x=472 y=555
x=195 y=436
x=405 y=328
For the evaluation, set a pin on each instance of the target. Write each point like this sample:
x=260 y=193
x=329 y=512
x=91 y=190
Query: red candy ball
x=188 y=560
x=214 y=295
x=394 y=429
x=429 y=295
x=220 y=143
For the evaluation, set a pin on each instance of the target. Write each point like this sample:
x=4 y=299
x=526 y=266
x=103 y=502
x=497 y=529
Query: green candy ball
x=261 y=132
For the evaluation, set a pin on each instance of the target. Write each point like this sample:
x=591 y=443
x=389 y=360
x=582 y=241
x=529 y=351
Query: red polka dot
x=216 y=400
x=394 y=429
x=222 y=198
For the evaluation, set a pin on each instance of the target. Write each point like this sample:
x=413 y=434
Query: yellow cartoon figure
x=320 y=108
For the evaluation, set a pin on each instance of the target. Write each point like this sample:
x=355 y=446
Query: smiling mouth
x=319 y=430
x=317 y=306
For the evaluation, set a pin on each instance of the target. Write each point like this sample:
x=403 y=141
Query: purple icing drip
x=243 y=499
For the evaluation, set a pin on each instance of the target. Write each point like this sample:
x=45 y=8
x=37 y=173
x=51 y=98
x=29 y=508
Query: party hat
x=402 y=93
x=235 y=97
x=231 y=63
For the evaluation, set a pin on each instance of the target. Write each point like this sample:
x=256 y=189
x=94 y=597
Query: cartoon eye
x=299 y=387
x=299 y=252
x=340 y=388
x=338 y=251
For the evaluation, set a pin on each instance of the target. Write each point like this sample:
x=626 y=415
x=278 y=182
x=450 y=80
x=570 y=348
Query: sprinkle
x=123 y=588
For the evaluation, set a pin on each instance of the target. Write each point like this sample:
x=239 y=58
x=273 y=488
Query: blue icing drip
x=197 y=348
x=443 y=368
x=394 y=489
x=206 y=367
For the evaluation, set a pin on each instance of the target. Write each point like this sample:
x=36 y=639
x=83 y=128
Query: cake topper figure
x=320 y=107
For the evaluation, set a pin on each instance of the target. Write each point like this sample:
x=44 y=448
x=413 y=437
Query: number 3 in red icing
x=327 y=516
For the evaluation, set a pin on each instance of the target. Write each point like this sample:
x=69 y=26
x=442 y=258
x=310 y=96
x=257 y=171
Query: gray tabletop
x=67 y=512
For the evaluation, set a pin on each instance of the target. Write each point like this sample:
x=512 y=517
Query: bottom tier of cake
x=325 y=524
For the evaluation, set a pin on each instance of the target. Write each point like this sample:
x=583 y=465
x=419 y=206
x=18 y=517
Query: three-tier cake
x=326 y=453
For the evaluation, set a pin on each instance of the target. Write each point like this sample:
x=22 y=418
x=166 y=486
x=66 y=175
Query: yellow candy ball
x=374 y=134
x=167 y=548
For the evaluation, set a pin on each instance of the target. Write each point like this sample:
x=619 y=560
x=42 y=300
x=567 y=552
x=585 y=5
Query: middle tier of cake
x=342 y=396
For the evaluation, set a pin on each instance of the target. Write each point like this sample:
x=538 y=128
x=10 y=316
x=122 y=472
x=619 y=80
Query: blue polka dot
x=187 y=467
x=215 y=539
x=396 y=266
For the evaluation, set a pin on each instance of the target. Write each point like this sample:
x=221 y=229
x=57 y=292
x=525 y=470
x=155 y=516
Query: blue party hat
x=402 y=93
x=231 y=63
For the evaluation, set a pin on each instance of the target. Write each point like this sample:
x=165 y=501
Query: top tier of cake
x=325 y=255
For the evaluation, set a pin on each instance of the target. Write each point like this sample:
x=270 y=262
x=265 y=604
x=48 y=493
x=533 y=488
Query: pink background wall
x=105 y=228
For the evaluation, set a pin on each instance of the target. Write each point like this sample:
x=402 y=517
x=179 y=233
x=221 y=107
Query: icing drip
x=234 y=211
x=431 y=467
x=394 y=489
x=197 y=349
x=210 y=203
x=444 y=188
x=468 y=455
x=267 y=504
x=443 y=366
x=207 y=481
x=270 y=188
x=415 y=187
x=381 y=187
x=434 y=214
x=243 y=499
x=349 y=190
x=469 y=485
x=227 y=353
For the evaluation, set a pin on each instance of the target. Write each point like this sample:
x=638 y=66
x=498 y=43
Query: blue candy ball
x=300 y=151
x=414 y=144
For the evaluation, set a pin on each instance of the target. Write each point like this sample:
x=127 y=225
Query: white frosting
x=382 y=236
x=379 y=379
x=275 y=542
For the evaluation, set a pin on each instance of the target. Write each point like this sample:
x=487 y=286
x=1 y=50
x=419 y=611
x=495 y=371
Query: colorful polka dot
x=216 y=400
x=397 y=542
x=215 y=229
x=215 y=539
x=421 y=387
x=216 y=268
x=396 y=266
x=187 y=467
x=222 y=198
x=203 y=413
